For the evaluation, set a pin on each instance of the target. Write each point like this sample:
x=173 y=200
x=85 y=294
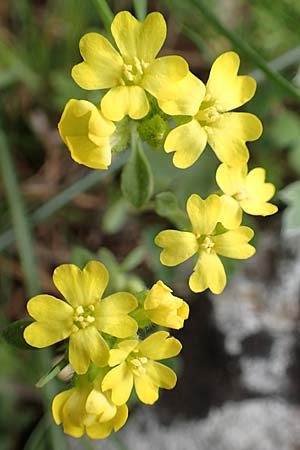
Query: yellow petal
x=256 y=187
x=81 y=287
x=160 y=346
x=224 y=85
x=188 y=142
x=87 y=345
x=98 y=403
x=86 y=133
x=158 y=291
x=99 y=430
x=102 y=67
x=58 y=404
x=118 y=355
x=123 y=100
x=120 y=381
x=234 y=243
x=54 y=321
x=161 y=375
x=178 y=246
x=146 y=390
x=231 y=212
x=111 y=315
x=120 y=417
x=229 y=134
x=139 y=39
x=163 y=72
x=74 y=412
x=183 y=97
x=203 y=214
x=231 y=179
x=258 y=208
x=208 y=273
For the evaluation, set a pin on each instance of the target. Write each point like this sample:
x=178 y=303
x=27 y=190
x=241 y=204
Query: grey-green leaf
x=137 y=178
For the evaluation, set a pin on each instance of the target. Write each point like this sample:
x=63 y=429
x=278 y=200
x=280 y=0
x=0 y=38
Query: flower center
x=83 y=317
x=133 y=73
x=209 y=113
x=207 y=244
x=137 y=365
x=241 y=195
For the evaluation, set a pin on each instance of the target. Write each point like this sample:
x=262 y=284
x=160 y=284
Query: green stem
x=140 y=9
x=248 y=51
x=29 y=267
x=62 y=199
x=105 y=13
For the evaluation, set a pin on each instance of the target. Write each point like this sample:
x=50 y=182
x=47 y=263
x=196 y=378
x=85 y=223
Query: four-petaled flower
x=165 y=309
x=244 y=191
x=134 y=71
x=83 y=318
x=87 y=409
x=135 y=362
x=226 y=132
x=86 y=133
x=208 y=239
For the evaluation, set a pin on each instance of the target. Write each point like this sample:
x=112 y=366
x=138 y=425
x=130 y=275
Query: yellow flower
x=87 y=409
x=165 y=309
x=83 y=318
x=134 y=71
x=136 y=363
x=226 y=132
x=208 y=240
x=245 y=191
x=86 y=133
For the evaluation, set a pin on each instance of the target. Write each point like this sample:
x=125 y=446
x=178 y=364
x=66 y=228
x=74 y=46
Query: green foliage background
x=46 y=198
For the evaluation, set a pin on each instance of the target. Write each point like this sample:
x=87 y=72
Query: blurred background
x=238 y=386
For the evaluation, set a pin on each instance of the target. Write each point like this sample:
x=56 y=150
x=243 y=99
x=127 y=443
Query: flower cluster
x=168 y=107
x=103 y=346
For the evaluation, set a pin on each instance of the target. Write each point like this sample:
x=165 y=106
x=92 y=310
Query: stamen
x=79 y=310
x=138 y=65
x=91 y=307
x=144 y=360
x=208 y=244
x=90 y=319
x=74 y=328
x=136 y=362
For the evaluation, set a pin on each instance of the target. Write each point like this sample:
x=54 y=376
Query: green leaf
x=166 y=205
x=137 y=178
x=133 y=259
x=51 y=373
x=115 y=216
x=80 y=256
x=291 y=215
x=13 y=334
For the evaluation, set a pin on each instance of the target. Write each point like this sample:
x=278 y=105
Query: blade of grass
x=140 y=9
x=20 y=224
x=62 y=199
x=105 y=13
x=246 y=50
x=29 y=267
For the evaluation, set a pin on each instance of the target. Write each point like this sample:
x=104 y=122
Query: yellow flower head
x=165 y=309
x=136 y=363
x=245 y=191
x=133 y=71
x=226 y=132
x=208 y=240
x=87 y=409
x=82 y=317
x=86 y=133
